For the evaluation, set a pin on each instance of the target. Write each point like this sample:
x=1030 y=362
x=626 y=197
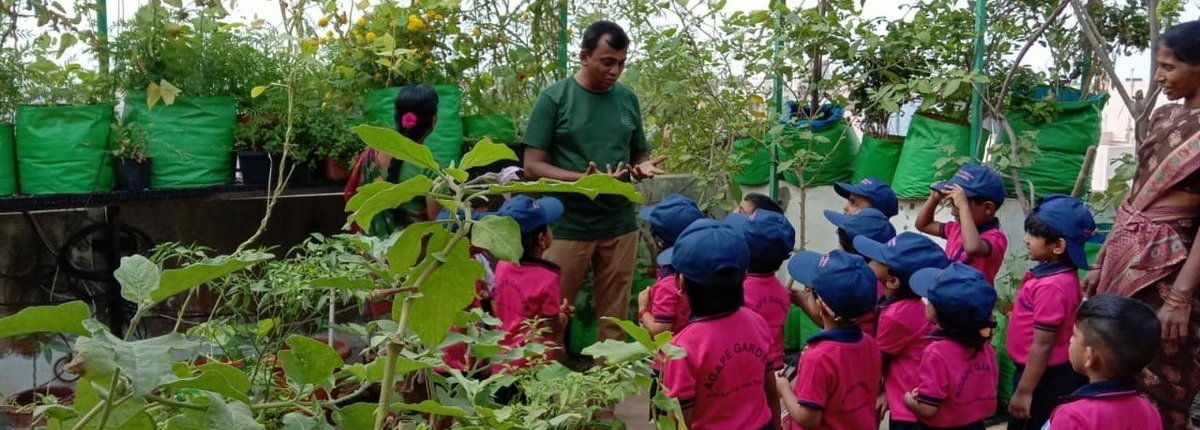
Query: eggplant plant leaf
x=66 y=318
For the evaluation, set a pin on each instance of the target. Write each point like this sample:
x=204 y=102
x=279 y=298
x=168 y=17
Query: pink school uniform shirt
x=525 y=292
x=900 y=334
x=838 y=374
x=667 y=304
x=767 y=297
x=869 y=322
x=991 y=236
x=721 y=378
x=960 y=382
x=1110 y=405
x=1048 y=300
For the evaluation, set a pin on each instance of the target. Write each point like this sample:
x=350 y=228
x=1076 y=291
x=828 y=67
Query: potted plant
x=131 y=161
x=10 y=95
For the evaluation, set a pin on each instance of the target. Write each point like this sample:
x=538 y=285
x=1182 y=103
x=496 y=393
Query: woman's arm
x=1177 y=307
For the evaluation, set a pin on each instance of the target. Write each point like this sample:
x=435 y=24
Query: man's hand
x=1018 y=406
x=1090 y=282
x=649 y=168
x=620 y=172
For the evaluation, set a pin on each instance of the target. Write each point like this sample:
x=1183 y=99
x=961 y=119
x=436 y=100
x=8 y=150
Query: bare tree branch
x=1033 y=38
x=1101 y=48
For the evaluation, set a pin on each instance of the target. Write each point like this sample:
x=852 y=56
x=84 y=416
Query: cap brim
x=844 y=189
x=803 y=267
x=664 y=257
x=644 y=214
x=940 y=186
x=837 y=218
x=924 y=280
x=871 y=248
x=1077 y=254
x=553 y=208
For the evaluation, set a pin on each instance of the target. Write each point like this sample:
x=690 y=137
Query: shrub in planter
x=131 y=162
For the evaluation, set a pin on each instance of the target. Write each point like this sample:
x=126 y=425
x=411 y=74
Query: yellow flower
x=526 y=16
x=429 y=61
x=415 y=23
x=438 y=17
x=476 y=32
x=362 y=22
x=323 y=22
x=430 y=13
x=370 y=36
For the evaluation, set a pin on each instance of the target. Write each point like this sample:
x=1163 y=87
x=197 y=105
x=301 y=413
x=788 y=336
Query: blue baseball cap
x=878 y=192
x=444 y=214
x=905 y=254
x=531 y=214
x=959 y=294
x=842 y=280
x=1069 y=217
x=976 y=180
x=671 y=216
x=768 y=234
x=869 y=222
x=711 y=253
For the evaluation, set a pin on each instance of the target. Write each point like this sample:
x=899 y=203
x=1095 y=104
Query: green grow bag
x=797 y=329
x=500 y=128
x=64 y=149
x=8 y=160
x=581 y=334
x=1052 y=172
x=1073 y=130
x=190 y=140
x=755 y=161
x=447 y=138
x=929 y=140
x=878 y=158
x=833 y=138
x=1006 y=366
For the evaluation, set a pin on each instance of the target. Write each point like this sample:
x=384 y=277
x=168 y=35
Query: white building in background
x=1117 y=131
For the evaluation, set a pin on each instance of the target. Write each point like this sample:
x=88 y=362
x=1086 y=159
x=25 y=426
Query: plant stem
x=179 y=317
x=103 y=404
x=175 y=404
x=133 y=323
x=112 y=388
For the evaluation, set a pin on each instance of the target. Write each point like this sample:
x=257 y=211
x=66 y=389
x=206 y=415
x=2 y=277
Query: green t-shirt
x=576 y=126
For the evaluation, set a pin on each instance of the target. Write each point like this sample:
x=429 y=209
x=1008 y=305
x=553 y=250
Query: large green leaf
x=392 y=142
x=299 y=421
x=216 y=415
x=431 y=407
x=129 y=415
x=615 y=351
x=484 y=153
x=395 y=195
x=344 y=282
x=590 y=186
x=219 y=378
x=637 y=332
x=138 y=277
x=448 y=289
x=404 y=253
x=65 y=318
x=176 y=281
x=309 y=361
x=500 y=235
x=147 y=363
x=358 y=416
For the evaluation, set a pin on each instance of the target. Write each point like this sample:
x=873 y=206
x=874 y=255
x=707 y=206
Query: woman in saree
x=1152 y=254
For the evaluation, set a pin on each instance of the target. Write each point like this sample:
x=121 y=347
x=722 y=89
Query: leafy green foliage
x=484 y=153
x=591 y=186
x=395 y=144
x=218 y=378
x=216 y=415
x=371 y=200
x=176 y=281
x=495 y=234
x=65 y=318
x=450 y=288
x=308 y=361
x=146 y=364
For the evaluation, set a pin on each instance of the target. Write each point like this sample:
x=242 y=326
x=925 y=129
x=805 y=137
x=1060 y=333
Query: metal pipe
x=976 y=88
x=102 y=34
x=777 y=90
x=562 y=39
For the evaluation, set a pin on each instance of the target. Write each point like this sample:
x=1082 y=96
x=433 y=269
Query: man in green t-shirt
x=579 y=123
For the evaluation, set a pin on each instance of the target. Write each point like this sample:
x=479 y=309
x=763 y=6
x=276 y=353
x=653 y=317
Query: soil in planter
x=131 y=174
x=19 y=408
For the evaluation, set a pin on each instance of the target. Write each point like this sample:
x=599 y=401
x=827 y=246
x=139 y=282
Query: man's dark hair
x=421 y=101
x=1038 y=228
x=617 y=38
x=763 y=202
x=1184 y=41
x=708 y=300
x=1125 y=330
x=529 y=241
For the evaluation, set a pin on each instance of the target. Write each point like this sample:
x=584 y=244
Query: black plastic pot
x=131 y=174
x=255 y=167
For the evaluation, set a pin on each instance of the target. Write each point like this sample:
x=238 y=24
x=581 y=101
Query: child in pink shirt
x=770 y=238
x=725 y=380
x=870 y=192
x=902 y=328
x=838 y=375
x=1112 y=340
x=958 y=373
x=527 y=296
x=663 y=307
x=1044 y=311
x=974 y=238
x=865 y=222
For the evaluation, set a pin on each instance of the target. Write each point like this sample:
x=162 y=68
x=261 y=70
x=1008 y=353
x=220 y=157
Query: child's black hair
x=592 y=36
x=421 y=101
x=971 y=339
x=978 y=200
x=1125 y=330
x=765 y=265
x=708 y=300
x=1038 y=228
x=763 y=202
x=904 y=291
x=846 y=242
x=529 y=241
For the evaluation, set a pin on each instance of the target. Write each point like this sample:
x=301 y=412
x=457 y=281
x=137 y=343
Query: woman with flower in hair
x=416 y=109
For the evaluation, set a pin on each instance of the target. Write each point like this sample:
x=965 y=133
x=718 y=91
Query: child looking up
x=974 y=237
x=1045 y=308
x=663 y=307
x=530 y=291
x=901 y=328
x=958 y=372
x=755 y=201
x=1113 y=339
x=770 y=238
x=868 y=193
x=837 y=378
x=725 y=381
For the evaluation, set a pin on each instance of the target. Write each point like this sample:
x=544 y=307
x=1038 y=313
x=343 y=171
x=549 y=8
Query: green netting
x=878 y=158
x=1051 y=172
x=755 y=161
x=929 y=140
x=8 y=160
x=447 y=138
x=64 y=149
x=500 y=128
x=190 y=140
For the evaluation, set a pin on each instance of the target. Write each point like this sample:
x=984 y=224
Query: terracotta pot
x=22 y=419
x=334 y=170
